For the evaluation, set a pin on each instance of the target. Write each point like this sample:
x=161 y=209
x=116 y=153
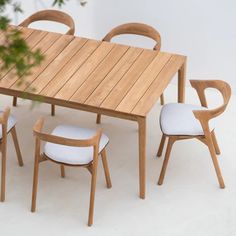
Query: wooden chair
x=183 y=121
x=137 y=29
x=71 y=146
x=7 y=123
x=49 y=15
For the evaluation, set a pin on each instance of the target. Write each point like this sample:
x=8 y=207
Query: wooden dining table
x=100 y=77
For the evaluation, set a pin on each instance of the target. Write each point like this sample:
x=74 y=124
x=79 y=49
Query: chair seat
x=11 y=123
x=73 y=155
x=178 y=119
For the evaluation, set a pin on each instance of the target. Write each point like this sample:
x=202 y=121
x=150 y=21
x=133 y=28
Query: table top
x=87 y=72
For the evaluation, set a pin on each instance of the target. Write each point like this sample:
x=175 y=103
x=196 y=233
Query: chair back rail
x=51 y=15
x=93 y=141
x=137 y=29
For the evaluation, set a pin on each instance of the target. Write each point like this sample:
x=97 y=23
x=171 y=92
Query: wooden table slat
x=70 y=68
x=25 y=35
x=51 y=52
x=36 y=40
x=128 y=80
x=67 y=91
x=57 y=63
x=143 y=83
x=114 y=76
x=99 y=73
x=150 y=97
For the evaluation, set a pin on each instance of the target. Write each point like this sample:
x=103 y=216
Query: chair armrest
x=201 y=85
x=205 y=115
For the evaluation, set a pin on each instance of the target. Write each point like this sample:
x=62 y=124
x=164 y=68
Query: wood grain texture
x=70 y=68
x=152 y=94
x=50 y=59
x=143 y=83
x=24 y=33
x=84 y=71
x=99 y=74
x=39 y=43
x=127 y=82
x=28 y=36
x=58 y=62
x=114 y=76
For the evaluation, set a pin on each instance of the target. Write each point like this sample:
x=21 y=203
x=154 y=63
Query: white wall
x=204 y=30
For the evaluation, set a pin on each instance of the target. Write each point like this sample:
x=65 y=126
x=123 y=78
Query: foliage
x=62 y=2
x=14 y=50
x=59 y=2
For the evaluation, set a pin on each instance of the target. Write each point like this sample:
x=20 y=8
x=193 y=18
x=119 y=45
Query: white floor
x=189 y=203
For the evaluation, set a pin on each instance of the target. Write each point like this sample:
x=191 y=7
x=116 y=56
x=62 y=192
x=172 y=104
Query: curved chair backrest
x=137 y=29
x=221 y=86
x=93 y=141
x=51 y=15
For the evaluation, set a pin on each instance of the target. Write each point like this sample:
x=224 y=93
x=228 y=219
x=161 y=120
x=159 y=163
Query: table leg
x=142 y=156
x=181 y=83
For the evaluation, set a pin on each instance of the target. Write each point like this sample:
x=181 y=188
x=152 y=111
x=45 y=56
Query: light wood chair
x=7 y=123
x=49 y=15
x=71 y=146
x=136 y=29
x=183 y=121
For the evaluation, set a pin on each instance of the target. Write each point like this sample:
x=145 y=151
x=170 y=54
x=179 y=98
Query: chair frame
x=137 y=29
x=91 y=167
x=49 y=15
x=3 y=148
x=204 y=116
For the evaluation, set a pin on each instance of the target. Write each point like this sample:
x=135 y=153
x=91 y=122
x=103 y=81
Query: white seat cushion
x=11 y=123
x=73 y=155
x=178 y=119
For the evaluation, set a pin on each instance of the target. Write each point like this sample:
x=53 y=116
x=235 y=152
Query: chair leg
x=17 y=147
x=63 y=171
x=106 y=169
x=159 y=152
x=52 y=110
x=35 y=183
x=214 y=140
x=14 y=102
x=98 y=121
x=162 y=99
x=165 y=163
x=215 y=161
x=92 y=193
x=3 y=175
